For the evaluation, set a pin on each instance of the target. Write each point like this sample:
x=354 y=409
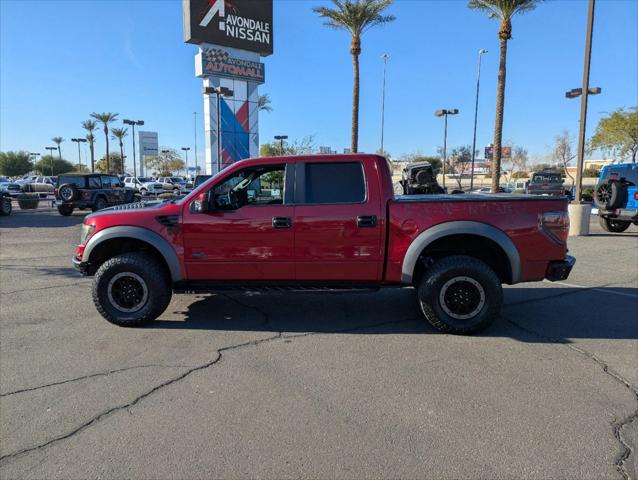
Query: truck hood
x=136 y=208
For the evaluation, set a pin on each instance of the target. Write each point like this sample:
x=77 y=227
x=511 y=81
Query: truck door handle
x=367 y=221
x=281 y=222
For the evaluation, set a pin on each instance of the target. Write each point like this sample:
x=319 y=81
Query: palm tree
x=90 y=126
x=502 y=10
x=120 y=134
x=355 y=16
x=106 y=118
x=263 y=103
x=58 y=141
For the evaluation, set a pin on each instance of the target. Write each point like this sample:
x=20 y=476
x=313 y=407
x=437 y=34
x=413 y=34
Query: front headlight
x=87 y=232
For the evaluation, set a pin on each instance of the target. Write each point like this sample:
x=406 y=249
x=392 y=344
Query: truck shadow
x=545 y=314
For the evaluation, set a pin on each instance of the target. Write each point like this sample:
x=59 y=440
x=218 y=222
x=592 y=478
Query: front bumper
x=560 y=270
x=80 y=266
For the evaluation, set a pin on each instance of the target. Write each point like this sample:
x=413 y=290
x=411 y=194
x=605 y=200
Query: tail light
x=556 y=225
x=55 y=192
x=636 y=195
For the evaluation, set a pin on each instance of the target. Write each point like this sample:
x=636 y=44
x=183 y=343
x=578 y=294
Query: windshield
x=73 y=179
x=143 y=179
x=546 y=178
x=176 y=179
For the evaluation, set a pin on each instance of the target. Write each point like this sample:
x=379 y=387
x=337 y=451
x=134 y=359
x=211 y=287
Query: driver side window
x=253 y=186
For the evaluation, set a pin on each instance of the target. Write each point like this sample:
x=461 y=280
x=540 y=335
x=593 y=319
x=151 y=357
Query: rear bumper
x=560 y=270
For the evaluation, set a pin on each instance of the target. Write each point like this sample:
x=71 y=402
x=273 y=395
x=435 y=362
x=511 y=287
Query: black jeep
x=418 y=178
x=91 y=190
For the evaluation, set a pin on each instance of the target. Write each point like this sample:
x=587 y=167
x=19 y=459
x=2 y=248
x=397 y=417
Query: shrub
x=591 y=172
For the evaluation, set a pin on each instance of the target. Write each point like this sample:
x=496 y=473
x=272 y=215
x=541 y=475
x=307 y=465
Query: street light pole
x=385 y=57
x=445 y=113
x=50 y=149
x=195 y=133
x=478 y=83
x=78 y=141
x=281 y=139
x=583 y=105
x=186 y=149
x=132 y=123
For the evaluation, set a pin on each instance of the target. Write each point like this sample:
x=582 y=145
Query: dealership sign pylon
x=231 y=36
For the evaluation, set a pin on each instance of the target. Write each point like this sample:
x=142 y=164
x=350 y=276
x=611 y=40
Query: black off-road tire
x=156 y=280
x=5 y=206
x=65 y=210
x=100 y=204
x=455 y=268
x=613 y=225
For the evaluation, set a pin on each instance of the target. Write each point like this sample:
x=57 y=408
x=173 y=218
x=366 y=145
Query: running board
x=272 y=287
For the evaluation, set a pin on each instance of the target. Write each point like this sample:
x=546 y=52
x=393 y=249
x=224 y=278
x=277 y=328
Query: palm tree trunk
x=106 y=136
x=92 y=157
x=498 y=126
x=122 y=155
x=355 y=104
x=59 y=152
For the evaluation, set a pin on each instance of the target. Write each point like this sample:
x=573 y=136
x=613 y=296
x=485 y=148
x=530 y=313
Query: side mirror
x=201 y=204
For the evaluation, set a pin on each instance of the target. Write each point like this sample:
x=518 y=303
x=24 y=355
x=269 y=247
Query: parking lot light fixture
x=281 y=139
x=79 y=141
x=51 y=149
x=133 y=123
x=481 y=52
x=444 y=113
x=186 y=149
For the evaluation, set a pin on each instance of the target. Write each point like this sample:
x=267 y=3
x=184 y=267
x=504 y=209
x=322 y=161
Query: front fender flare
x=142 y=234
x=441 y=230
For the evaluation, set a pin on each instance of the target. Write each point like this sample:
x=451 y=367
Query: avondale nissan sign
x=241 y=24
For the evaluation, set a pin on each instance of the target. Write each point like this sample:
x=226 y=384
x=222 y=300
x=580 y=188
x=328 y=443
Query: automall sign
x=148 y=144
x=241 y=24
x=219 y=63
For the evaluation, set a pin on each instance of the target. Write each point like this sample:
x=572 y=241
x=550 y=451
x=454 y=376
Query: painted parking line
x=603 y=290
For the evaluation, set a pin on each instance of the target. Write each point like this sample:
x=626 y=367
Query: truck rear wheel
x=131 y=289
x=460 y=295
x=612 y=225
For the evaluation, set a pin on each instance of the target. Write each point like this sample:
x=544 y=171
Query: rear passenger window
x=335 y=183
x=94 y=182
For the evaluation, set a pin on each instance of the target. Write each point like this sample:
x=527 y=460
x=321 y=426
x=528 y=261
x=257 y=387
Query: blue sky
x=61 y=60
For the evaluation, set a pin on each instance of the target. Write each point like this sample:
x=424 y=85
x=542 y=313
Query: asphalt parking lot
x=315 y=385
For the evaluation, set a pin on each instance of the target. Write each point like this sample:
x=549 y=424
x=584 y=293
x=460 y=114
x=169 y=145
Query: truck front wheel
x=460 y=295
x=131 y=289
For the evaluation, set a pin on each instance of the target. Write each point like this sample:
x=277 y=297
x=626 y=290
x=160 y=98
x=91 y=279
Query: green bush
x=28 y=201
x=591 y=172
x=15 y=164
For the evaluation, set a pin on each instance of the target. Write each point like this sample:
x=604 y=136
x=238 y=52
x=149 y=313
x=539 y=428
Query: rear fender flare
x=144 y=235
x=428 y=236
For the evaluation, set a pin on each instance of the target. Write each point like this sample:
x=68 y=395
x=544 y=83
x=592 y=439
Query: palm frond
x=119 y=133
x=89 y=125
x=57 y=140
x=503 y=9
x=355 y=16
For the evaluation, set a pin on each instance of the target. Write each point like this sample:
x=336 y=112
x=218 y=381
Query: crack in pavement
x=92 y=375
x=96 y=419
x=617 y=424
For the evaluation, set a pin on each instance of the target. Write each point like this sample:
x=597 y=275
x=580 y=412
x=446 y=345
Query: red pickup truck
x=326 y=222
